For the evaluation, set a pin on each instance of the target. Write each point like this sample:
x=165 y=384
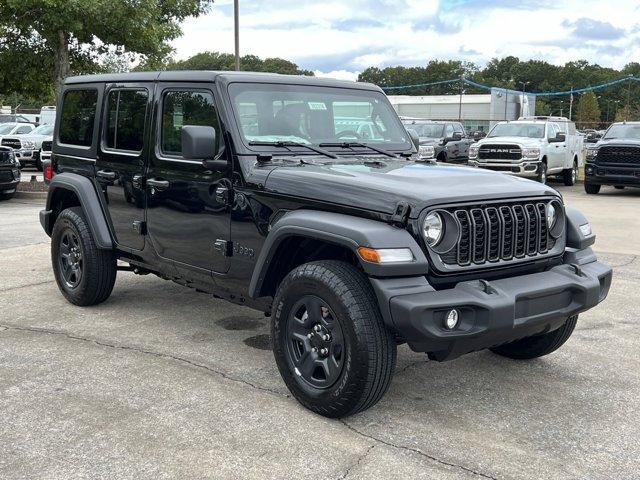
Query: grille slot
x=610 y=155
x=492 y=233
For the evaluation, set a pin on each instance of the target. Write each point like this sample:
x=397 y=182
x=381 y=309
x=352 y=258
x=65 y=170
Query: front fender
x=344 y=230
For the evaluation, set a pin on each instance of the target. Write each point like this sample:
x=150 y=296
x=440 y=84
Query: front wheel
x=85 y=273
x=570 y=175
x=591 y=189
x=542 y=173
x=329 y=340
x=538 y=345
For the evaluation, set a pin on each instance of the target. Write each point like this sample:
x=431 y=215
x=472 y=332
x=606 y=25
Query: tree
x=588 y=111
x=71 y=32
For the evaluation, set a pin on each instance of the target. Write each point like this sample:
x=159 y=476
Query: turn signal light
x=385 y=255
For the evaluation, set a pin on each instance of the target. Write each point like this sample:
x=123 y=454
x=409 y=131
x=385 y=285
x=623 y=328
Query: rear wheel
x=570 y=175
x=329 y=340
x=538 y=345
x=85 y=273
x=591 y=188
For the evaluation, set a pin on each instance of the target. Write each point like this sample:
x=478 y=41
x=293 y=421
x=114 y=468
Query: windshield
x=315 y=115
x=530 y=130
x=6 y=128
x=430 y=130
x=631 y=131
x=43 y=130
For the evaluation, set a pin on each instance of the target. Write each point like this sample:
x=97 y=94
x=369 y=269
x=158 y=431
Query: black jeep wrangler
x=614 y=159
x=249 y=187
x=9 y=173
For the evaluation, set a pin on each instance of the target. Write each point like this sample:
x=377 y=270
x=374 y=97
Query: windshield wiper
x=358 y=144
x=289 y=143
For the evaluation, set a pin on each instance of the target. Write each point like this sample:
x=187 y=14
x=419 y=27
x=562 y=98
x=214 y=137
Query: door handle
x=107 y=175
x=158 y=184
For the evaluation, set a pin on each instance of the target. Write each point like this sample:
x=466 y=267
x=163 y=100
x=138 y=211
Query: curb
x=31 y=195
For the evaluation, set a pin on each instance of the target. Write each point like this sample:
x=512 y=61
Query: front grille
x=6 y=176
x=47 y=145
x=609 y=155
x=618 y=172
x=12 y=142
x=499 y=152
x=500 y=232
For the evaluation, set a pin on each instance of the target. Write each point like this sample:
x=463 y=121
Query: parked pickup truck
x=532 y=147
x=444 y=141
x=27 y=147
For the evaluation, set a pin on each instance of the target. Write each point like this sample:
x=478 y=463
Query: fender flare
x=344 y=230
x=89 y=201
x=575 y=238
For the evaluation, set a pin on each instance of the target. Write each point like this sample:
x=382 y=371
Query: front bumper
x=26 y=156
x=493 y=313
x=522 y=168
x=612 y=174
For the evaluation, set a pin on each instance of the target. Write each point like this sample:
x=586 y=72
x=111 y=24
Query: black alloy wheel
x=315 y=342
x=70 y=260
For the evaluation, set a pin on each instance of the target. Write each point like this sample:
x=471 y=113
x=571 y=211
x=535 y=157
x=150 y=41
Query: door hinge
x=140 y=227
x=399 y=217
x=223 y=247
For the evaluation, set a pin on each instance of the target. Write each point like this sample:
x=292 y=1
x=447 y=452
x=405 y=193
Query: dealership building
x=477 y=112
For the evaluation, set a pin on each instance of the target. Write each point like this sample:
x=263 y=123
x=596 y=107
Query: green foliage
x=588 y=111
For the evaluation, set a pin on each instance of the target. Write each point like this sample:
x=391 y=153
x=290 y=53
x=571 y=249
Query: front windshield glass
x=43 y=130
x=631 y=131
x=316 y=115
x=429 y=130
x=6 y=128
x=530 y=130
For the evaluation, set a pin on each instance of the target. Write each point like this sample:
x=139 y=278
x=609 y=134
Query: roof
x=211 y=76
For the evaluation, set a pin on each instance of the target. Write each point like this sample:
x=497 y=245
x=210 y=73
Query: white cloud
x=342 y=38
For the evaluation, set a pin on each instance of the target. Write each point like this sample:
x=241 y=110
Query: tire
x=570 y=175
x=442 y=157
x=7 y=196
x=542 y=173
x=361 y=348
x=91 y=281
x=538 y=345
x=592 y=188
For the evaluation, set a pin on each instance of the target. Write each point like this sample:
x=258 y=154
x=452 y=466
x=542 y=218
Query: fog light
x=452 y=319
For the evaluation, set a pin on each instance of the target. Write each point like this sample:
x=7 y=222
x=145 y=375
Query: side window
x=448 y=131
x=126 y=113
x=185 y=107
x=77 y=117
x=552 y=130
x=25 y=129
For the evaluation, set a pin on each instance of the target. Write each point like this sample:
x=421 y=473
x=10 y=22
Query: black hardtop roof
x=212 y=76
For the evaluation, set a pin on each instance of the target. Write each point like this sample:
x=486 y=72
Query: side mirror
x=415 y=139
x=199 y=143
x=559 y=138
x=456 y=137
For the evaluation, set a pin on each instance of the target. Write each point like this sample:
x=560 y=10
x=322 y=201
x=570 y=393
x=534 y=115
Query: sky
x=341 y=38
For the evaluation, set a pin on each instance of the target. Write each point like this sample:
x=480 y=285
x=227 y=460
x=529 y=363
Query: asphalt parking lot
x=163 y=382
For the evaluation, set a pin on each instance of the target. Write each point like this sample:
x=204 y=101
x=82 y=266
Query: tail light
x=48 y=172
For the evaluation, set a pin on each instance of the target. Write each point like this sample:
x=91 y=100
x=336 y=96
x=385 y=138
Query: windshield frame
x=407 y=146
x=543 y=125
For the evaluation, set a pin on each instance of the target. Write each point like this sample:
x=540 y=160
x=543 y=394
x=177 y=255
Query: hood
x=380 y=188
x=614 y=141
x=430 y=141
x=524 y=141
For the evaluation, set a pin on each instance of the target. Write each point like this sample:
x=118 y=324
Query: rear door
x=188 y=214
x=121 y=159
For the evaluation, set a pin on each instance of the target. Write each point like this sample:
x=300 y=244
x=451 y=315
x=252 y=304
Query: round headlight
x=432 y=229
x=551 y=215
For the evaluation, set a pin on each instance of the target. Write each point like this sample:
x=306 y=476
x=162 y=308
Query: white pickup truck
x=533 y=147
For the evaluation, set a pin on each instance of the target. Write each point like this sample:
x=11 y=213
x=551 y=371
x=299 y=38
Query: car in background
x=13 y=118
x=442 y=140
x=45 y=152
x=9 y=173
x=614 y=159
x=591 y=135
x=532 y=147
x=27 y=147
x=48 y=115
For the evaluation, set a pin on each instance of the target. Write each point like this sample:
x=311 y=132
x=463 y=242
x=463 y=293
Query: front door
x=188 y=215
x=120 y=162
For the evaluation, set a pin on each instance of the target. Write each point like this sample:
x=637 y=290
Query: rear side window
x=25 y=129
x=77 y=117
x=126 y=113
x=180 y=108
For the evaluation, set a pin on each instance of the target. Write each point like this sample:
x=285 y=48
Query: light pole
x=236 y=26
x=460 y=105
x=628 y=112
x=524 y=86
